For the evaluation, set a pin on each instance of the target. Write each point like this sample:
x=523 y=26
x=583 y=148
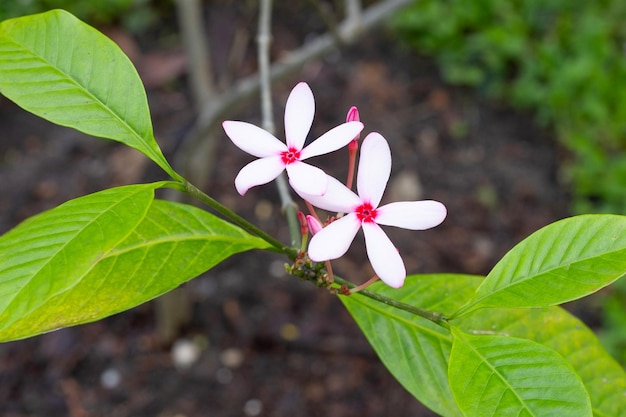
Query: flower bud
x=353 y=116
x=304 y=228
x=314 y=225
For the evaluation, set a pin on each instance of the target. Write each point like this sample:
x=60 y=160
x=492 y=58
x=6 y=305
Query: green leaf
x=61 y=69
x=555 y=328
x=49 y=253
x=173 y=244
x=561 y=262
x=414 y=349
x=504 y=376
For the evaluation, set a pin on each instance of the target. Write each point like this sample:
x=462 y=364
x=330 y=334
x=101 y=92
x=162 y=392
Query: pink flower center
x=366 y=213
x=290 y=156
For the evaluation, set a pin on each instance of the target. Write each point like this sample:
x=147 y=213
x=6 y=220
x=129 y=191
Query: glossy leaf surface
x=603 y=377
x=51 y=252
x=416 y=351
x=561 y=262
x=83 y=261
x=65 y=71
x=501 y=376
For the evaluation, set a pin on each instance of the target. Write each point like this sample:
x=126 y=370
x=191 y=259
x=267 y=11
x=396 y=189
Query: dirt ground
x=268 y=344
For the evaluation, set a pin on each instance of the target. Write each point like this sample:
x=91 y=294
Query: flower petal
x=383 y=256
x=253 y=139
x=307 y=179
x=414 y=215
x=332 y=140
x=299 y=112
x=374 y=168
x=337 y=197
x=258 y=172
x=334 y=240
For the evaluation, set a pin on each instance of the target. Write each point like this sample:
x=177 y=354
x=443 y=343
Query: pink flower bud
x=353 y=115
x=314 y=225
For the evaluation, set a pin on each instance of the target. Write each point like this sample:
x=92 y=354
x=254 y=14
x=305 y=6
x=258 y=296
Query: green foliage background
x=132 y=14
x=564 y=59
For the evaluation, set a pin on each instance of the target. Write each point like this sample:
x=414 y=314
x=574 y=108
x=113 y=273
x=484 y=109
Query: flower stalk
x=435 y=317
x=192 y=190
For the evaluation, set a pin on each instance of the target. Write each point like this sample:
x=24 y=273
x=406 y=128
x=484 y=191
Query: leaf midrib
x=510 y=284
x=377 y=307
x=64 y=245
x=154 y=155
x=494 y=371
x=114 y=252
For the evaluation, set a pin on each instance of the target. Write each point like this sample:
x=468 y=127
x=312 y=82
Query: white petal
x=334 y=240
x=337 y=198
x=307 y=179
x=299 y=112
x=414 y=215
x=383 y=256
x=374 y=168
x=332 y=140
x=253 y=139
x=258 y=172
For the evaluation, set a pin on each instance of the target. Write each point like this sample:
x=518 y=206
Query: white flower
x=362 y=211
x=275 y=156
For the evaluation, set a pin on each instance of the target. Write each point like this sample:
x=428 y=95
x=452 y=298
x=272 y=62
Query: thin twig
x=244 y=90
x=218 y=207
x=263 y=40
x=433 y=316
x=173 y=310
x=329 y=18
x=353 y=10
x=192 y=28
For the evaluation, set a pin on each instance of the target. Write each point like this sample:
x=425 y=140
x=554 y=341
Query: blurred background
x=513 y=114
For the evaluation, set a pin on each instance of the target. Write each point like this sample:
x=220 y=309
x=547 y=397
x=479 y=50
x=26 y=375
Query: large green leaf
x=416 y=351
x=560 y=262
x=501 y=376
x=49 y=253
x=603 y=377
x=173 y=243
x=67 y=72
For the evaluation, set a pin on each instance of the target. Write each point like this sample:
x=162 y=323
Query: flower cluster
x=360 y=210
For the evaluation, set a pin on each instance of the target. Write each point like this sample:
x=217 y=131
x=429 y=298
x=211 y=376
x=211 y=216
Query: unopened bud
x=314 y=224
x=304 y=228
x=353 y=115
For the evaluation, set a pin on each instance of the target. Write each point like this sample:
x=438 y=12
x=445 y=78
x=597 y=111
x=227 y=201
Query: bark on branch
x=245 y=89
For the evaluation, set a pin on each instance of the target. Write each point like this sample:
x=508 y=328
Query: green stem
x=192 y=190
x=292 y=252
x=290 y=209
x=433 y=316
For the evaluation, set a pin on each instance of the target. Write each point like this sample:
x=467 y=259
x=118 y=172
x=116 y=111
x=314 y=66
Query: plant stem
x=292 y=252
x=192 y=190
x=433 y=316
